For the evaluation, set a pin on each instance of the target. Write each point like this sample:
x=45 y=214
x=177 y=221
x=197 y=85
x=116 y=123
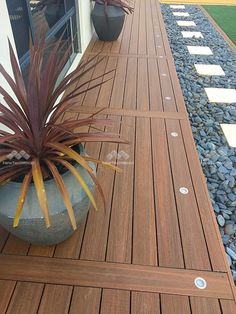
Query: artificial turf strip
x=225 y=17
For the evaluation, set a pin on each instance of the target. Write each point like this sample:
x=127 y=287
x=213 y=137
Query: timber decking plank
x=151 y=48
x=157 y=31
x=90 y=97
x=168 y=233
x=203 y=305
x=169 y=103
x=36 y=250
x=142 y=36
x=113 y=275
x=124 y=45
x=195 y=252
x=134 y=37
x=6 y=289
x=144 y=303
x=142 y=86
x=15 y=245
x=106 y=89
x=115 y=302
x=3 y=237
x=205 y=207
x=130 y=113
x=85 y=300
x=26 y=298
x=55 y=299
x=144 y=226
x=176 y=304
x=155 y=96
x=119 y=83
x=117 y=43
x=119 y=246
x=96 y=232
x=71 y=247
x=228 y=307
x=130 y=94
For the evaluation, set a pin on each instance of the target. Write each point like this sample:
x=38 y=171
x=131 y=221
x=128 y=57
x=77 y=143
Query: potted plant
x=45 y=175
x=108 y=17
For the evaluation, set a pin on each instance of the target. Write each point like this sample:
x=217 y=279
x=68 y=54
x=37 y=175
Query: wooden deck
x=143 y=255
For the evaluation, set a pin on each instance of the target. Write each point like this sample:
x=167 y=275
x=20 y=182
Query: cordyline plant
x=38 y=132
x=123 y=4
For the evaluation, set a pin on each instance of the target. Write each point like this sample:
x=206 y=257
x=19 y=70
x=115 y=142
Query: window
x=48 y=18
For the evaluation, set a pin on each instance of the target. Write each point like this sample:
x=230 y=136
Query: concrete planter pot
x=32 y=226
x=108 y=27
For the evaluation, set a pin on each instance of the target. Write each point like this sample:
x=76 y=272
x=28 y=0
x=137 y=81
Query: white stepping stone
x=181 y=14
x=186 y=23
x=229 y=131
x=192 y=34
x=199 y=50
x=177 y=6
x=221 y=95
x=209 y=69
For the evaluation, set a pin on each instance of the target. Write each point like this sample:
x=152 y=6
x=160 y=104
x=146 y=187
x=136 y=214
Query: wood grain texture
x=145 y=303
x=228 y=307
x=115 y=302
x=26 y=298
x=6 y=290
x=203 y=305
x=177 y=304
x=113 y=275
x=85 y=300
x=55 y=299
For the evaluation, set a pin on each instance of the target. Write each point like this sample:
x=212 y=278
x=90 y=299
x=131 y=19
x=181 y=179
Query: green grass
x=225 y=17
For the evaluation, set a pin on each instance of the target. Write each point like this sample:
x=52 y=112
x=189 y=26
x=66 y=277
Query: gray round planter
x=108 y=27
x=32 y=227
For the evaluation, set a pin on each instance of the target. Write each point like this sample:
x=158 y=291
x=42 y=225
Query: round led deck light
x=200 y=283
x=183 y=190
x=168 y=98
x=174 y=134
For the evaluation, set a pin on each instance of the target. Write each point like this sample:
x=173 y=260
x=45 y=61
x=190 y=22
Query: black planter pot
x=107 y=26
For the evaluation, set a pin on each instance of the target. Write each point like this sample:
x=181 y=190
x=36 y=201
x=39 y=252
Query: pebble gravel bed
x=217 y=158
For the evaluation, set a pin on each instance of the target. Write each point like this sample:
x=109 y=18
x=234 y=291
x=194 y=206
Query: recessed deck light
x=200 y=283
x=221 y=95
x=174 y=134
x=229 y=131
x=209 y=69
x=199 y=50
x=183 y=190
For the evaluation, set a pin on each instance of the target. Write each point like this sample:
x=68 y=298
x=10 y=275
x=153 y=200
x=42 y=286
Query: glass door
x=48 y=18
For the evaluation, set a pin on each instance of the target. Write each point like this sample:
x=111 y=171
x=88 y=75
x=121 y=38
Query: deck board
x=143 y=254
